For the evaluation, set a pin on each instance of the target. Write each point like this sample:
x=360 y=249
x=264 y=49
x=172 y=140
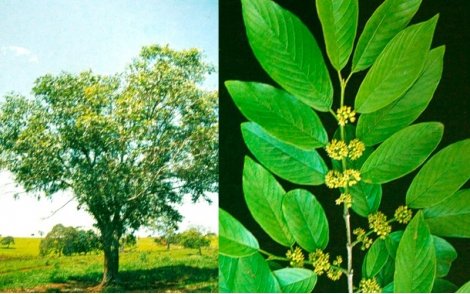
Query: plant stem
x=349 y=248
x=346 y=215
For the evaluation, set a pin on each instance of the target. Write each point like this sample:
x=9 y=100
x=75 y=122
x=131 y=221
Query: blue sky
x=49 y=36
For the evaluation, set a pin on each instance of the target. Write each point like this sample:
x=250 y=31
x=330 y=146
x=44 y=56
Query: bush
x=194 y=238
x=68 y=240
x=7 y=241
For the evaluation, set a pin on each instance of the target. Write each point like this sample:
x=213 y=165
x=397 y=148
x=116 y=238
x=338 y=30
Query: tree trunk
x=167 y=245
x=111 y=259
x=200 y=251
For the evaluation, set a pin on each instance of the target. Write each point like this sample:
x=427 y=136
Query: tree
x=7 y=241
x=67 y=241
x=128 y=241
x=194 y=238
x=128 y=146
x=166 y=227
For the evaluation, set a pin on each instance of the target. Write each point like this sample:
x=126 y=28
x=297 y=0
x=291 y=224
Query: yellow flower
x=356 y=148
x=334 y=274
x=337 y=149
x=403 y=214
x=334 y=179
x=366 y=243
x=378 y=223
x=362 y=238
x=359 y=232
x=345 y=114
x=320 y=261
x=369 y=286
x=344 y=198
x=338 y=261
x=351 y=177
x=296 y=257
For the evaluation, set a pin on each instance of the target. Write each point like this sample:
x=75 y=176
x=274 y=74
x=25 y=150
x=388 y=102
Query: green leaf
x=286 y=161
x=288 y=52
x=440 y=286
x=445 y=252
x=247 y=274
x=235 y=240
x=296 y=280
x=397 y=67
x=306 y=219
x=392 y=241
x=389 y=19
x=365 y=198
x=415 y=263
x=375 y=259
x=264 y=195
x=443 y=286
x=339 y=24
x=385 y=276
x=441 y=176
x=465 y=288
x=445 y=255
x=402 y=153
x=373 y=128
x=388 y=288
x=273 y=109
x=451 y=217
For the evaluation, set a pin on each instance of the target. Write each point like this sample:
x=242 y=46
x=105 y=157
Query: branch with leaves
x=374 y=143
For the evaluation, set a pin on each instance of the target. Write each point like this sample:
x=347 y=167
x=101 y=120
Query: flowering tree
x=128 y=146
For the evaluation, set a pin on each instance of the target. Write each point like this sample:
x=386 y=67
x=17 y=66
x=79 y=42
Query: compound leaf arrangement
x=285 y=135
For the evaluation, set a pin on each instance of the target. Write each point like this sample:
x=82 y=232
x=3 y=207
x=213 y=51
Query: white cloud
x=20 y=52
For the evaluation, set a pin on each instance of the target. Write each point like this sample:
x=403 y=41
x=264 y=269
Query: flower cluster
x=378 y=223
x=403 y=214
x=369 y=286
x=351 y=176
x=355 y=149
x=345 y=114
x=344 y=198
x=362 y=238
x=296 y=257
x=337 y=149
x=336 y=179
x=320 y=261
x=335 y=272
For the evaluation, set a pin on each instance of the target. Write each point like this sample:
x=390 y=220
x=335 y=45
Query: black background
x=450 y=106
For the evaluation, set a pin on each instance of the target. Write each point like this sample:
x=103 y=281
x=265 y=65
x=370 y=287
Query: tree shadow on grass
x=178 y=278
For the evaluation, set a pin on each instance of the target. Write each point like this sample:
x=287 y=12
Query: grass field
x=147 y=268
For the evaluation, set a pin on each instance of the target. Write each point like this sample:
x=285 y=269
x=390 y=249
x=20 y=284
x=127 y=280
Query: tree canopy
x=7 y=241
x=128 y=146
x=194 y=238
x=68 y=240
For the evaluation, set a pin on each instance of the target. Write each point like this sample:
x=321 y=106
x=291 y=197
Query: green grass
x=146 y=268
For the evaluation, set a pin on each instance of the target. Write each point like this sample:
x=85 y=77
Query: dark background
x=450 y=106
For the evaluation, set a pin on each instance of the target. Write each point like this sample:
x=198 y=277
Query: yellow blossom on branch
x=403 y=214
x=369 y=286
x=345 y=114
x=378 y=223
x=365 y=241
x=351 y=177
x=355 y=149
x=337 y=149
x=296 y=257
x=344 y=198
x=320 y=261
x=334 y=179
